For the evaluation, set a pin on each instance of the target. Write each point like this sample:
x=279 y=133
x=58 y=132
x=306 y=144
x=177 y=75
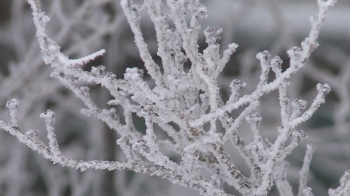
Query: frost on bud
x=264 y=57
x=48 y=116
x=212 y=35
x=294 y=52
x=133 y=74
x=276 y=63
x=265 y=60
x=12 y=104
x=98 y=71
x=226 y=56
x=309 y=44
x=236 y=85
x=323 y=88
x=233 y=46
x=254 y=120
x=202 y=12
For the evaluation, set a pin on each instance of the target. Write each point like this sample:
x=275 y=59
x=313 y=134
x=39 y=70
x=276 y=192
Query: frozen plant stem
x=188 y=99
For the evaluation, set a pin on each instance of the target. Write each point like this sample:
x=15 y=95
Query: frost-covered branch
x=190 y=99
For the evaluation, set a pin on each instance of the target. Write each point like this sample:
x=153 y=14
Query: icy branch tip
x=311 y=147
x=81 y=61
x=233 y=46
x=12 y=104
x=49 y=115
x=324 y=88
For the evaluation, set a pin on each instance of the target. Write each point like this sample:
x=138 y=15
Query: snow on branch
x=190 y=99
x=303 y=189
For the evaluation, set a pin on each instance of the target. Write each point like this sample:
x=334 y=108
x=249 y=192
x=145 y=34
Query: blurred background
x=84 y=26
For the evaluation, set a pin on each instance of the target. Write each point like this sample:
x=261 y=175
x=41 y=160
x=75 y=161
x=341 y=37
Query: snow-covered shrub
x=182 y=108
